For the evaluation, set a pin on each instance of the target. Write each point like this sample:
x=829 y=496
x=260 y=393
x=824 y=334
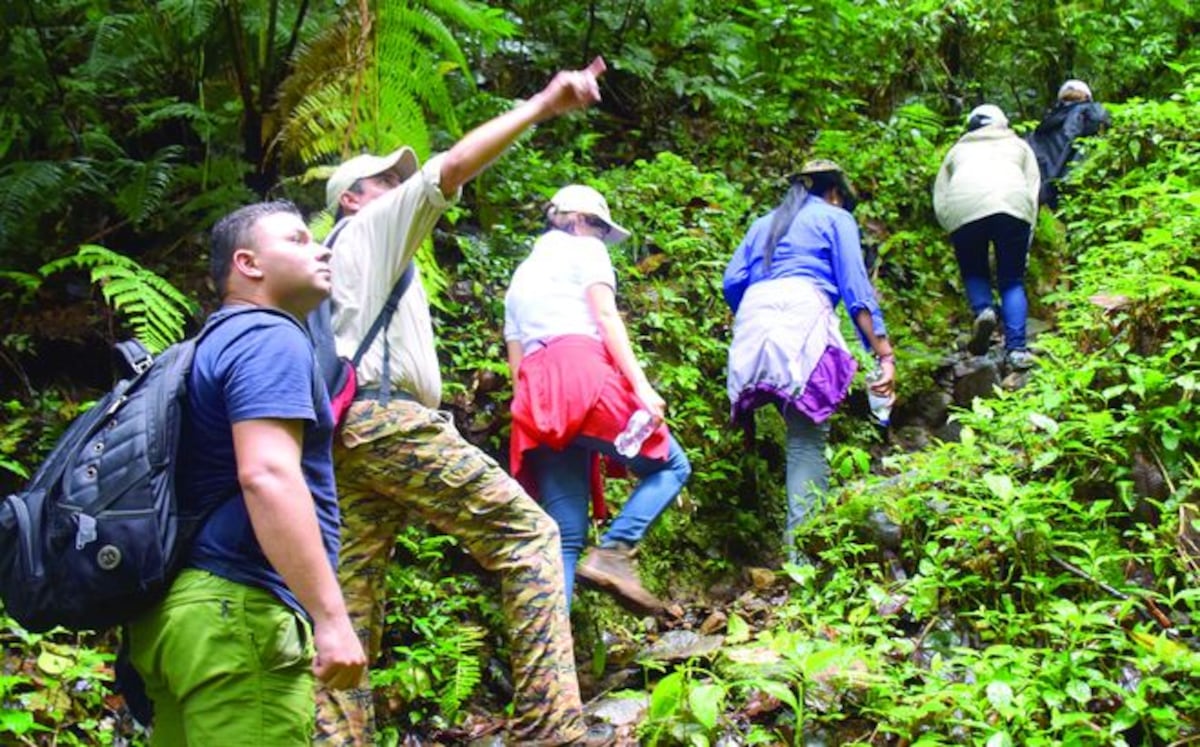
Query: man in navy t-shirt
x=228 y=655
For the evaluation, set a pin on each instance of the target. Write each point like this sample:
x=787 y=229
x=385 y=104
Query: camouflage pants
x=403 y=458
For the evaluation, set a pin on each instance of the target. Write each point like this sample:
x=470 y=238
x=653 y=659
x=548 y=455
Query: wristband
x=887 y=357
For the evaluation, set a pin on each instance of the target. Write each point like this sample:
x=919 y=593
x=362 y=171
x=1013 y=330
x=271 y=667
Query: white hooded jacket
x=988 y=171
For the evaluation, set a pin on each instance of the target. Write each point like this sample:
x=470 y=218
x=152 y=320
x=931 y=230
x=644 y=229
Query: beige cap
x=403 y=162
x=1076 y=86
x=577 y=198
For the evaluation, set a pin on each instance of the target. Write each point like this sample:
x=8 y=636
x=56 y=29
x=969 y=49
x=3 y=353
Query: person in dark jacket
x=1075 y=115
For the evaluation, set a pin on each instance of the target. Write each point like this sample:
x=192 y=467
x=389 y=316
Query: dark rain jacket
x=1053 y=141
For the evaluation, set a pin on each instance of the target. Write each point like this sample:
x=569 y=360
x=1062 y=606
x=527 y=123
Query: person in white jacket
x=986 y=194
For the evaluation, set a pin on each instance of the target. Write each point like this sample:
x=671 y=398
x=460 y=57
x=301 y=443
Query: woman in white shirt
x=578 y=385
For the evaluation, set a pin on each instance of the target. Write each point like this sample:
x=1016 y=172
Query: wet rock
x=630 y=677
x=928 y=408
x=754 y=661
x=1014 y=380
x=886 y=533
x=620 y=711
x=951 y=432
x=681 y=645
x=974 y=377
x=714 y=623
x=911 y=437
x=762 y=578
x=753 y=606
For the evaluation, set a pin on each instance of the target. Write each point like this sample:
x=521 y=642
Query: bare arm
x=568 y=91
x=281 y=511
x=603 y=304
x=882 y=348
x=516 y=353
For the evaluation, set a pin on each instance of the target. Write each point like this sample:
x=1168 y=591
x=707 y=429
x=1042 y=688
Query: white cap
x=577 y=198
x=986 y=114
x=1076 y=86
x=402 y=161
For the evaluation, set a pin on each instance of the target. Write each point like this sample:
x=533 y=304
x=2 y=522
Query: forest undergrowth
x=1044 y=587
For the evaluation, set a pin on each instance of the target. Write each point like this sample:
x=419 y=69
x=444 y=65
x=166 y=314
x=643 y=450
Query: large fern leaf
x=26 y=187
x=462 y=648
x=153 y=309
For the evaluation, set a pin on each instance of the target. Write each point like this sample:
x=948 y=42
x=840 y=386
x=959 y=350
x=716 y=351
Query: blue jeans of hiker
x=807 y=473
x=564 y=490
x=1011 y=237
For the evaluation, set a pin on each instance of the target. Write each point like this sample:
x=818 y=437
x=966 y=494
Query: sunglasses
x=595 y=222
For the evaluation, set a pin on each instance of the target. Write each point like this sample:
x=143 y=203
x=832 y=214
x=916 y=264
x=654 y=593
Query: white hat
x=1074 y=85
x=984 y=115
x=402 y=161
x=576 y=198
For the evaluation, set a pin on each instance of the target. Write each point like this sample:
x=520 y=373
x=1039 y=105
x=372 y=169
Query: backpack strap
x=134 y=355
x=323 y=319
x=381 y=322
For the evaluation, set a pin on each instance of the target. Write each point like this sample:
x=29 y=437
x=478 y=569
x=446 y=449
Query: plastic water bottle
x=881 y=406
x=637 y=430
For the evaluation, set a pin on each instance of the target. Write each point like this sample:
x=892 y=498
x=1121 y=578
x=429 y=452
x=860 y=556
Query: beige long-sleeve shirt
x=369 y=256
x=988 y=171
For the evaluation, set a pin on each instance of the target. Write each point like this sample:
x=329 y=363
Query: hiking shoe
x=981 y=332
x=1020 y=360
x=611 y=569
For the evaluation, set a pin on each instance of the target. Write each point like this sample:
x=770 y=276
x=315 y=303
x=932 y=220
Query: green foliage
x=377 y=82
x=57 y=692
x=1044 y=592
x=154 y=309
x=437 y=627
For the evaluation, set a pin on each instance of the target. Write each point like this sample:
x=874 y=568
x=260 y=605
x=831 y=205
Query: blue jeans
x=1011 y=237
x=564 y=490
x=807 y=473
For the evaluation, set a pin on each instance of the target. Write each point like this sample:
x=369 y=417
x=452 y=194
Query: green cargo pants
x=404 y=457
x=225 y=664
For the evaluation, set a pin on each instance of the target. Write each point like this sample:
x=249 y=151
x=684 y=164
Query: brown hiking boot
x=611 y=569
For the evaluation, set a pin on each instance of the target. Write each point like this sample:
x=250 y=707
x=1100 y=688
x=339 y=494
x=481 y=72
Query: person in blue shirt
x=232 y=654
x=783 y=284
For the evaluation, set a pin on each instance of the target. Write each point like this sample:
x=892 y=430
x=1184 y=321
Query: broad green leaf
x=1000 y=485
x=999 y=694
x=1000 y=739
x=1079 y=691
x=705 y=702
x=667 y=696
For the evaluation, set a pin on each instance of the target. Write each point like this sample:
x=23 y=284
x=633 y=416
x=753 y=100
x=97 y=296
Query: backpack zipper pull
x=86 y=532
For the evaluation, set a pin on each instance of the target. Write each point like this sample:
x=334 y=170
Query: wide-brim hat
x=578 y=198
x=826 y=166
x=403 y=162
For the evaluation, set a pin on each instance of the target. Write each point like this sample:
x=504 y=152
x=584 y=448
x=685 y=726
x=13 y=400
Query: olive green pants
x=225 y=664
x=402 y=458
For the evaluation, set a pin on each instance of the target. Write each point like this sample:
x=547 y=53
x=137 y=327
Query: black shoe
x=981 y=332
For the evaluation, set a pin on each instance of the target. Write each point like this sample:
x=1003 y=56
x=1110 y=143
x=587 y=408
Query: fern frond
x=463 y=649
x=145 y=183
x=25 y=187
x=154 y=309
x=316 y=102
x=488 y=22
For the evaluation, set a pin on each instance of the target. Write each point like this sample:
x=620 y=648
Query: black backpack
x=97 y=535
